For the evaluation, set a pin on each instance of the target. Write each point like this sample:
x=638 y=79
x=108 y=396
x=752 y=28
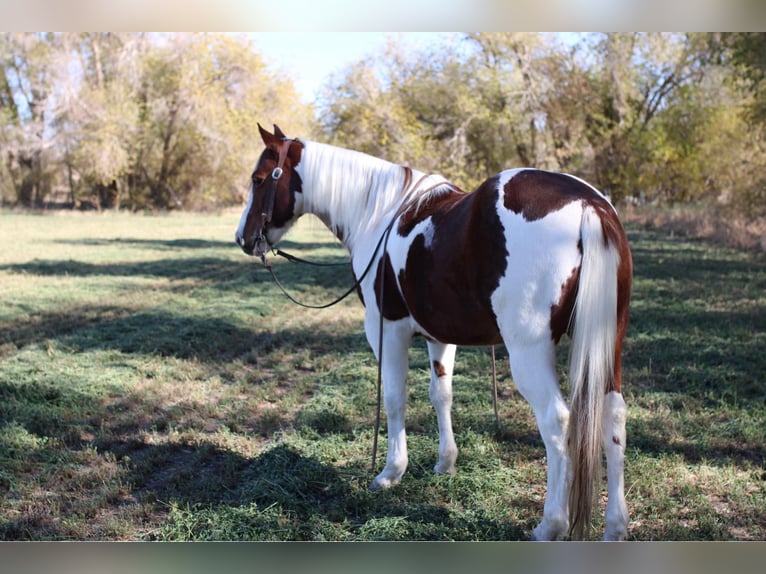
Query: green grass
x=155 y=385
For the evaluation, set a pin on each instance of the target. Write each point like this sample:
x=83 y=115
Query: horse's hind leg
x=396 y=341
x=534 y=373
x=613 y=441
x=440 y=391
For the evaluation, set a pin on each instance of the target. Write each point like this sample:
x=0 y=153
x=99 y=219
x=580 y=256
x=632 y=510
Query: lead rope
x=494 y=389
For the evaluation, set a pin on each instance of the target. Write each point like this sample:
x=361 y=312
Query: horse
x=527 y=257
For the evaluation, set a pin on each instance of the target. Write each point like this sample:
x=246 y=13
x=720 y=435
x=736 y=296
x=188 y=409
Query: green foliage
x=145 y=121
x=651 y=116
x=747 y=52
x=167 y=121
x=155 y=385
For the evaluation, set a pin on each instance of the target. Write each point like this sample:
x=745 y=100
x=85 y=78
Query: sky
x=310 y=58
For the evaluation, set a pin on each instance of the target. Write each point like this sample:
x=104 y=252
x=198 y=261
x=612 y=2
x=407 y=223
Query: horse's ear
x=278 y=132
x=267 y=137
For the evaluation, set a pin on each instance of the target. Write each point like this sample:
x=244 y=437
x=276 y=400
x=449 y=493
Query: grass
x=155 y=385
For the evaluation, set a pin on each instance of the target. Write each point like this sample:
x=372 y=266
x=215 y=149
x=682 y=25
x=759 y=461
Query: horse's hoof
x=449 y=471
x=382 y=483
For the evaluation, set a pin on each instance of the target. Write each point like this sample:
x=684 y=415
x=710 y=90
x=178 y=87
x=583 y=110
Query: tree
x=747 y=53
x=28 y=70
x=143 y=120
x=96 y=114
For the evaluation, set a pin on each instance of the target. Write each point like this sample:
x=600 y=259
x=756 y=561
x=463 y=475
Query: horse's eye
x=257 y=181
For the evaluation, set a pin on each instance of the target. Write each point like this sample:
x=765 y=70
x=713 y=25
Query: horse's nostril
x=247 y=248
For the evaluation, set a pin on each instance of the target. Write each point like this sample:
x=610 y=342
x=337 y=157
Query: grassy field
x=155 y=385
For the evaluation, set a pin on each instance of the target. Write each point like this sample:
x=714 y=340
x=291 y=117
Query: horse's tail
x=591 y=366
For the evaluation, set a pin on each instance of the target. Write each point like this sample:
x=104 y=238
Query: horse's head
x=275 y=194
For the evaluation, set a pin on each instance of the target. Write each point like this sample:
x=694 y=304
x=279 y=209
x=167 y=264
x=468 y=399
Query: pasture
x=155 y=385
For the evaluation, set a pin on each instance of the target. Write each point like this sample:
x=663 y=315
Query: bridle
x=267 y=210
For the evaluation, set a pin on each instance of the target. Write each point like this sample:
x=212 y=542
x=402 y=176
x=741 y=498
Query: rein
x=358 y=282
x=293 y=258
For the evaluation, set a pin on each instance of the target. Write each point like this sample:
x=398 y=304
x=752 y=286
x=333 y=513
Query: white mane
x=349 y=190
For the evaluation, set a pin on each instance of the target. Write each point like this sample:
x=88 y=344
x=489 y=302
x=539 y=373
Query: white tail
x=591 y=366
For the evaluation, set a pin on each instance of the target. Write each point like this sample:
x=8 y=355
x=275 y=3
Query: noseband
x=267 y=211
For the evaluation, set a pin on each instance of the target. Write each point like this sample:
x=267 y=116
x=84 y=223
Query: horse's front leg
x=396 y=341
x=440 y=391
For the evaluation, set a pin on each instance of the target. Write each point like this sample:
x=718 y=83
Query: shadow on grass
x=696 y=320
x=191 y=243
x=40 y=326
x=163 y=334
x=160 y=244
x=697 y=344
x=207 y=339
x=219 y=273
x=151 y=332
x=203 y=268
x=285 y=495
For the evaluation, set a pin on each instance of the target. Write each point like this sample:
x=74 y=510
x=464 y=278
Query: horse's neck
x=352 y=193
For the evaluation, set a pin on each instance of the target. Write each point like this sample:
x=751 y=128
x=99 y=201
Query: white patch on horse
x=613 y=438
x=425 y=228
x=541 y=256
x=239 y=234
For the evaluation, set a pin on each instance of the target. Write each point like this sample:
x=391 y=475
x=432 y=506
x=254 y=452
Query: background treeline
x=134 y=120
x=168 y=121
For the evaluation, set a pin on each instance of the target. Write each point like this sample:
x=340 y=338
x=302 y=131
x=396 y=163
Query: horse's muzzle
x=258 y=245
x=247 y=246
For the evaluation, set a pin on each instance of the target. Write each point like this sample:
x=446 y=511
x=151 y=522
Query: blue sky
x=310 y=58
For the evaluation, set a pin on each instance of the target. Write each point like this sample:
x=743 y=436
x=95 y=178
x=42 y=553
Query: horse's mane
x=350 y=189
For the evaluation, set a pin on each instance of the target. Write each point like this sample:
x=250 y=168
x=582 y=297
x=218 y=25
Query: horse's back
x=535 y=194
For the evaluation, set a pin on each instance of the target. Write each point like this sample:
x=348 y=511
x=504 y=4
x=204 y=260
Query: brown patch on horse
x=290 y=182
x=447 y=285
x=441 y=201
x=393 y=306
x=561 y=312
x=535 y=193
x=615 y=234
x=439 y=369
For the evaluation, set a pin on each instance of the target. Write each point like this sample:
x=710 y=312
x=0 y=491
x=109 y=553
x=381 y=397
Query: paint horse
x=527 y=257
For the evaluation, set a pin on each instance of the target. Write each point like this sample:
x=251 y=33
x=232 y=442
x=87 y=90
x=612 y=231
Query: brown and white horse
x=526 y=257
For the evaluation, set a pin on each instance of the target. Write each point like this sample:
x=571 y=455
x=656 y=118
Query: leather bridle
x=267 y=210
